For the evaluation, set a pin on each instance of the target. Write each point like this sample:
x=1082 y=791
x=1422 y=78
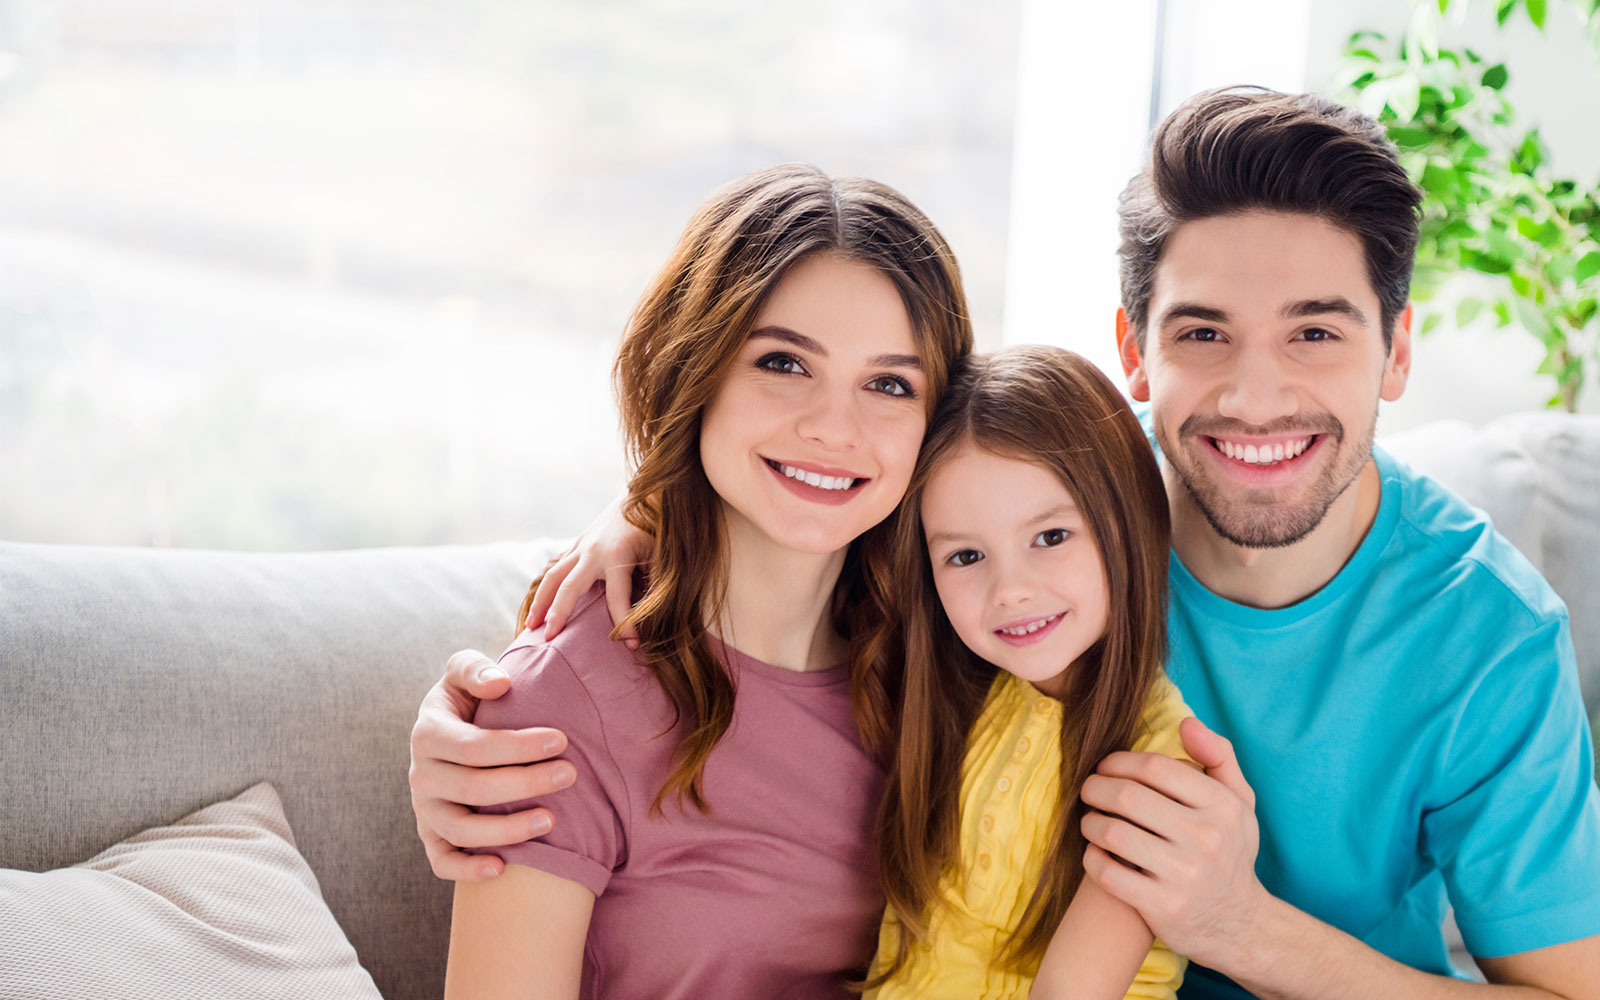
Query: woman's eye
x=891 y=385
x=1051 y=537
x=966 y=557
x=784 y=364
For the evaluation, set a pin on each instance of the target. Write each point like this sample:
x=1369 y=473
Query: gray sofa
x=139 y=685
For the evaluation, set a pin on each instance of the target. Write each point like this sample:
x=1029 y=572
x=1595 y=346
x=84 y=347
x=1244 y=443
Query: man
x=1397 y=682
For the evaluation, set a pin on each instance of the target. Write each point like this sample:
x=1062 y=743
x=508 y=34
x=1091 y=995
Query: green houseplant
x=1492 y=206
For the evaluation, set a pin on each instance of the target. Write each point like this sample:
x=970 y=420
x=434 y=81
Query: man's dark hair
x=1242 y=148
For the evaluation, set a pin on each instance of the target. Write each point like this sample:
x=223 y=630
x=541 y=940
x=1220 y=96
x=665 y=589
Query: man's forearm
x=1295 y=956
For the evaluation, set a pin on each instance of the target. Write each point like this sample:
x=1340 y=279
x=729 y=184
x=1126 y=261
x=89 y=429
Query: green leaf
x=1467 y=310
x=1444 y=5
x=1588 y=266
x=1536 y=13
x=1496 y=76
x=1530 y=155
x=1484 y=263
x=1502 y=243
x=1536 y=322
x=1584 y=311
x=1502 y=313
x=1503 y=11
x=1430 y=323
x=1411 y=137
x=1405 y=97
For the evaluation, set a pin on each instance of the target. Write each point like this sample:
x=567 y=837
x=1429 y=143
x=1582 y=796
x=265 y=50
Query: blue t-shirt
x=1414 y=734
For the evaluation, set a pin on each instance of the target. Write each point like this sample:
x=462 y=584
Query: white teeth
x=818 y=480
x=1266 y=454
x=1029 y=629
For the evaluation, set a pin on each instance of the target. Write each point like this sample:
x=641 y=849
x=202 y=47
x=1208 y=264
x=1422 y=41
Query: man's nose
x=1259 y=387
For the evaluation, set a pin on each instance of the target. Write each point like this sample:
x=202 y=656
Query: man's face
x=1264 y=363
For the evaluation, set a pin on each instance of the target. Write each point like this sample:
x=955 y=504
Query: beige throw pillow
x=219 y=904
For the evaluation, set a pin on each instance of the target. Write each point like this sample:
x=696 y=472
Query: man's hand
x=1190 y=837
x=454 y=764
x=610 y=548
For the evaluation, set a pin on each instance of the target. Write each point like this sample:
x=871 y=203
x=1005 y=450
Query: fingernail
x=563 y=777
x=487 y=871
x=540 y=826
x=491 y=674
x=552 y=744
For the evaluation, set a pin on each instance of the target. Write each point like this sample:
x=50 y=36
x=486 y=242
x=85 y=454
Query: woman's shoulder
x=581 y=672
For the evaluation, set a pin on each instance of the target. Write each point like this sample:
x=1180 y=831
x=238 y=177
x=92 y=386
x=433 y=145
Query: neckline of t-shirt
x=743 y=663
x=1190 y=591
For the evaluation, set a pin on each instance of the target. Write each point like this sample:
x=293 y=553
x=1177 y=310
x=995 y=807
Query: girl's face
x=812 y=437
x=1017 y=571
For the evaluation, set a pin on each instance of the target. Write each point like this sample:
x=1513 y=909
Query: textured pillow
x=218 y=904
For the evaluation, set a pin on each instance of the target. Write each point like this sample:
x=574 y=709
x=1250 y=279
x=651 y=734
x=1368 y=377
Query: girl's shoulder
x=1164 y=709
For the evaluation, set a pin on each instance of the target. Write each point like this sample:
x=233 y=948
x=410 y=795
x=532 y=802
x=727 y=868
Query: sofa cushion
x=218 y=903
x=1538 y=476
x=137 y=685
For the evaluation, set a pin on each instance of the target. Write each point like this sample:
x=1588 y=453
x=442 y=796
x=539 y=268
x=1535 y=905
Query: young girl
x=1035 y=589
x=775 y=383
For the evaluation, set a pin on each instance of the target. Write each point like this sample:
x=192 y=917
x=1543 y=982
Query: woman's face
x=813 y=435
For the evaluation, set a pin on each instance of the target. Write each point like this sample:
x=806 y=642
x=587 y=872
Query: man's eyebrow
x=1337 y=305
x=1192 y=310
x=814 y=346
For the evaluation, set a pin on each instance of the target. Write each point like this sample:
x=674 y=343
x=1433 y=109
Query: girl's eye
x=1051 y=537
x=966 y=557
x=783 y=364
x=891 y=385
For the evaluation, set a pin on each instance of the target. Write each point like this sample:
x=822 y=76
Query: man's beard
x=1258 y=520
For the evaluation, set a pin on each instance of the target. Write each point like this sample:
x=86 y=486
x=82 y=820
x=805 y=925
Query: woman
x=774 y=382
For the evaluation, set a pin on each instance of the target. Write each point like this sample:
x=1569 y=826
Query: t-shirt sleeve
x=1517 y=833
x=587 y=842
x=1164 y=709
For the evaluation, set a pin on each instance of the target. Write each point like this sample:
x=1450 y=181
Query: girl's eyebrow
x=814 y=346
x=1064 y=509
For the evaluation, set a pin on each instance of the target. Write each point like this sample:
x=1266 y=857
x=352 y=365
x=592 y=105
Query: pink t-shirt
x=773 y=894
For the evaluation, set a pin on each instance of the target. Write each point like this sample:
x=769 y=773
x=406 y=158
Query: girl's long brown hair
x=682 y=340
x=1053 y=408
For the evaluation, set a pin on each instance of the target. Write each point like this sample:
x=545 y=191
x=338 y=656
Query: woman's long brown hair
x=681 y=342
x=1053 y=408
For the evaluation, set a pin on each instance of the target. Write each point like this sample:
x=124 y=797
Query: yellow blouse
x=1010 y=792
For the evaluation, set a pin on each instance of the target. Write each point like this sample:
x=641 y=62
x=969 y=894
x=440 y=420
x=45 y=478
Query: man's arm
x=1193 y=838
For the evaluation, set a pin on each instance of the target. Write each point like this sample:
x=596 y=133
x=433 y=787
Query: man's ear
x=1132 y=362
x=1397 y=369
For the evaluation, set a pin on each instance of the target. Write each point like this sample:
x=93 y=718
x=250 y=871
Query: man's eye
x=1051 y=537
x=1317 y=335
x=785 y=364
x=966 y=557
x=1203 y=335
x=891 y=385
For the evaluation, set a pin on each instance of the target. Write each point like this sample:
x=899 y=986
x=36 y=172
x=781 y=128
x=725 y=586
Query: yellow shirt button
x=983 y=861
x=986 y=824
x=1004 y=784
x=1023 y=745
x=1042 y=706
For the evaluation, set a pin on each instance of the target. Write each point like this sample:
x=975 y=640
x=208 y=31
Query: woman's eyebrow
x=814 y=346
